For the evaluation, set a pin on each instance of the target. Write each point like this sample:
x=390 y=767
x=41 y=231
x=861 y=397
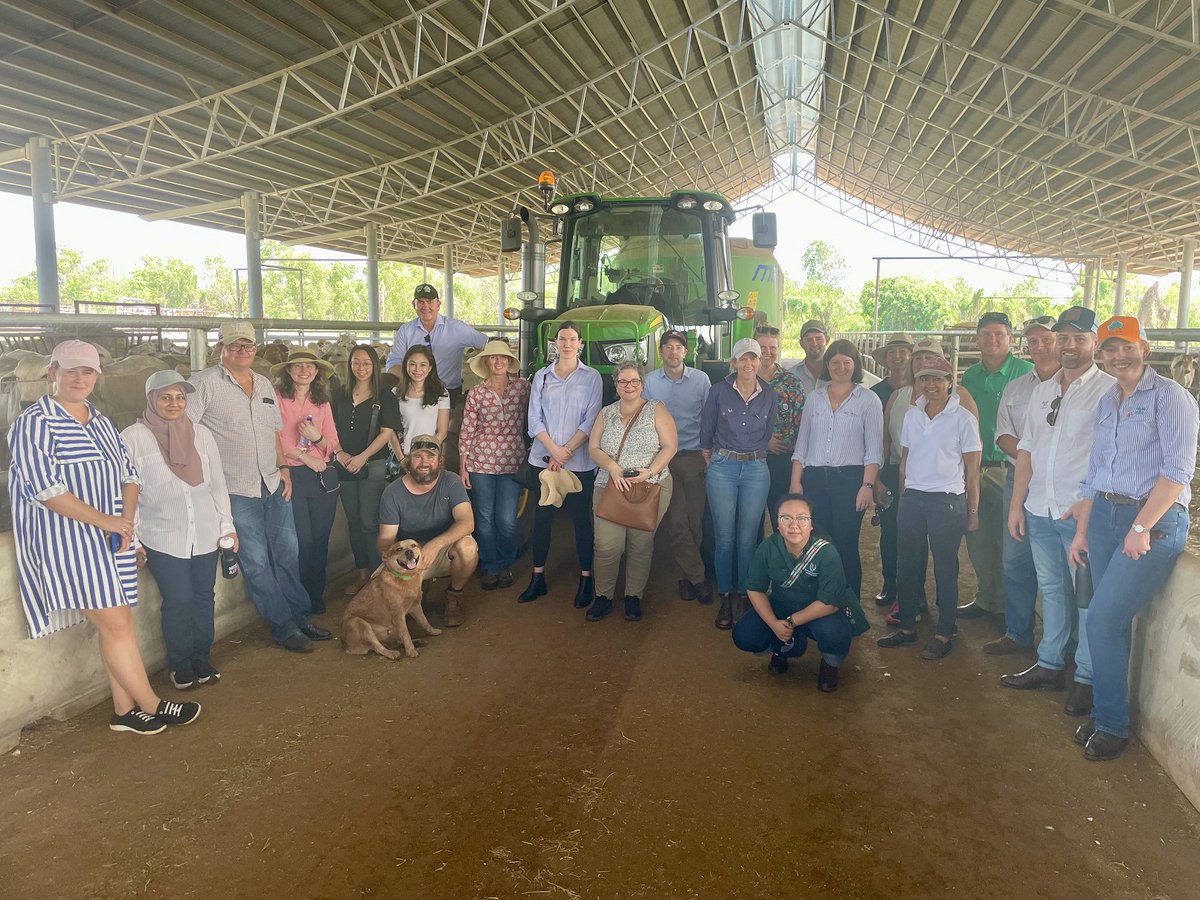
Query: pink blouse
x=293 y=413
x=492 y=439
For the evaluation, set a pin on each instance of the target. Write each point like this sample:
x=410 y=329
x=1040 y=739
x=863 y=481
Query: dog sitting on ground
x=1184 y=371
x=376 y=619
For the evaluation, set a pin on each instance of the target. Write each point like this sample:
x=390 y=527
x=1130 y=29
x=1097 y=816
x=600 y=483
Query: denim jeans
x=494 y=498
x=1019 y=577
x=1122 y=586
x=832 y=635
x=936 y=522
x=360 y=500
x=831 y=493
x=269 y=556
x=737 y=496
x=1049 y=539
x=314 y=505
x=187 y=587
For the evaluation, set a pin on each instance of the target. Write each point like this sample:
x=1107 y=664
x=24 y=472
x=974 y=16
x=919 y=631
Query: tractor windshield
x=647 y=254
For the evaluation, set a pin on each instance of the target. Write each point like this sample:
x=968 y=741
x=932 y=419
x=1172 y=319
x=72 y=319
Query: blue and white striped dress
x=64 y=566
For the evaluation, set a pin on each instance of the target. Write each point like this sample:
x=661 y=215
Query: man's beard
x=426 y=478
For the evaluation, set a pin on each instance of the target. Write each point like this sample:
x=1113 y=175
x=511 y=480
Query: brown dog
x=376 y=619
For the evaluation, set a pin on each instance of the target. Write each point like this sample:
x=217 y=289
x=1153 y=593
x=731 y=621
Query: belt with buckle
x=1121 y=499
x=742 y=457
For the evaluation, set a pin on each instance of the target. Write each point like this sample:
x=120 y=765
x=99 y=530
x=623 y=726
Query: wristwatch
x=868 y=484
x=1139 y=529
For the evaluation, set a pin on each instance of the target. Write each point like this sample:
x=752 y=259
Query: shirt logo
x=811 y=570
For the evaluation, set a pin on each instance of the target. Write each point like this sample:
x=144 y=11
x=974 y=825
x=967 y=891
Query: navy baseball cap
x=673 y=335
x=425 y=292
x=1078 y=317
x=994 y=318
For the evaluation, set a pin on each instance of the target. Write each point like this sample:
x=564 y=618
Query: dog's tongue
x=410 y=564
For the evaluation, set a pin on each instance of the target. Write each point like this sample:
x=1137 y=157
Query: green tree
x=171 y=282
x=907 y=303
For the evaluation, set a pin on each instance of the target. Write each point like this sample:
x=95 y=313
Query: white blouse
x=172 y=516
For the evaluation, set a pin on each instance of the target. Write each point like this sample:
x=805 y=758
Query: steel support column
x=448 y=280
x=41 y=171
x=875 y=314
x=1185 y=284
x=1119 y=289
x=371 y=233
x=501 y=289
x=254 y=297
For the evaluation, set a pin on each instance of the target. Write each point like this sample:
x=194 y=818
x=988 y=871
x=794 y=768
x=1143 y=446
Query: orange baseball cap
x=1123 y=328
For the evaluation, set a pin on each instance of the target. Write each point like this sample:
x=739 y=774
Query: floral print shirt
x=492 y=439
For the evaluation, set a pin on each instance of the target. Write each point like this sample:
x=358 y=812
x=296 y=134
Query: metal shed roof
x=1064 y=128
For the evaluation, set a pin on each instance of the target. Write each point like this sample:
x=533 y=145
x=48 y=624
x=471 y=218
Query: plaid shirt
x=244 y=428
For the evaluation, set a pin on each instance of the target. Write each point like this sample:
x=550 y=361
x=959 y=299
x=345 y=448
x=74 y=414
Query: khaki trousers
x=683 y=525
x=613 y=540
x=985 y=545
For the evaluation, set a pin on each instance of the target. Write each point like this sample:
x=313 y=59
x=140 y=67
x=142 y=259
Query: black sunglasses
x=1052 y=416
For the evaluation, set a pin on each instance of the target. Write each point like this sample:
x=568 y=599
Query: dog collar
x=398 y=575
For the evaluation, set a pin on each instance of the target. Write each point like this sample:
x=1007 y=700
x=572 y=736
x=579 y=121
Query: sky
x=124 y=239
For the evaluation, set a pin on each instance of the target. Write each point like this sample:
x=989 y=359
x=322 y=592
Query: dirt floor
x=532 y=754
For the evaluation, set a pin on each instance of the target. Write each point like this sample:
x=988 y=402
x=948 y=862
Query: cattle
x=1185 y=371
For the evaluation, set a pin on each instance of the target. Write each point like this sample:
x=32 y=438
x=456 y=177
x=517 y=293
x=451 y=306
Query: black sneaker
x=633 y=609
x=489 y=582
x=505 y=579
x=778 y=664
x=137 y=722
x=897 y=639
x=206 y=673
x=184 y=678
x=601 y=607
x=177 y=713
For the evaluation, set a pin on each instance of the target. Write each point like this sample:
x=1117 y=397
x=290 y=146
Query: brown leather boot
x=452 y=613
x=725 y=613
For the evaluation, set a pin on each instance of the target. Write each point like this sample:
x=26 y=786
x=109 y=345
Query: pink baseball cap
x=75 y=354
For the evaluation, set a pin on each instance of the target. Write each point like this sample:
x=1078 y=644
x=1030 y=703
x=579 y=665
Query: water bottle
x=305 y=442
x=229 y=560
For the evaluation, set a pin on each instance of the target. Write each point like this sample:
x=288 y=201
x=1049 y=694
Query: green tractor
x=630 y=268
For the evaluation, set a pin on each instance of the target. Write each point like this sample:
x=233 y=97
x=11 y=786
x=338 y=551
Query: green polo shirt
x=985 y=389
x=823 y=579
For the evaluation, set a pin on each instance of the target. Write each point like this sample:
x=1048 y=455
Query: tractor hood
x=647 y=318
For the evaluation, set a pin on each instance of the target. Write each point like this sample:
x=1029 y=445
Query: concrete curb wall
x=61 y=675
x=1165 y=677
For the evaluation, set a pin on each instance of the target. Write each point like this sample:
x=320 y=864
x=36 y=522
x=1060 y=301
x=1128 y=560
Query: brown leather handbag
x=636 y=507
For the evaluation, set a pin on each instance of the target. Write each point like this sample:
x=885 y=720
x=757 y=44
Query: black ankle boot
x=537 y=588
x=583 y=596
x=725 y=613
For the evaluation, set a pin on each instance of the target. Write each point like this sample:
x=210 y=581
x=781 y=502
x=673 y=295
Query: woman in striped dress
x=73 y=492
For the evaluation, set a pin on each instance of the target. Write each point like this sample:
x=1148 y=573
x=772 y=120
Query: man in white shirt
x=1052 y=459
x=448 y=339
x=1016 y=560
x=814 y=338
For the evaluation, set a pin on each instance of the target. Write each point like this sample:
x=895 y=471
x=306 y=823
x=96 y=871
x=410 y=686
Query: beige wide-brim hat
x=901 y=339
x=556 y=486
x=302 y=355
x=494 y=348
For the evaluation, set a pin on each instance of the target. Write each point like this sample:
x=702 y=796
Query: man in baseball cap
x=430 y=506
x=683 y=390
x=1133 y=516
x=1018 y=576
x=814 y=337
x=448 y=339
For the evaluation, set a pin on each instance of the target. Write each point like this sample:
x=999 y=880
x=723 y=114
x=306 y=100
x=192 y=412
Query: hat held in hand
x=556 y=485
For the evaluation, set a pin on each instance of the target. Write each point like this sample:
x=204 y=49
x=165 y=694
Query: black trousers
x=780 y=467
x=889 y=536
x=314 y=504
x=931 y=523
x=577 y=505
x=831 y=493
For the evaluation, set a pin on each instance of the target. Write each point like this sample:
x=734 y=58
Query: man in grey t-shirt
x=430 y=506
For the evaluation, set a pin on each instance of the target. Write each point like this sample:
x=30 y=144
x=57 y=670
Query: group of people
x=1043 y=465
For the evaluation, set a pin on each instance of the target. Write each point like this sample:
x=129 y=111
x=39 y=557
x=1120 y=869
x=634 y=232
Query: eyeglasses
x=243 y=348
x=1043 y=321
x=428 y=341
x=326 y=488
x=628 y=382
x=1052 y=416
x=785 y=519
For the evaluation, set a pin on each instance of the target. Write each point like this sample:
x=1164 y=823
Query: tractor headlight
x=560 y=209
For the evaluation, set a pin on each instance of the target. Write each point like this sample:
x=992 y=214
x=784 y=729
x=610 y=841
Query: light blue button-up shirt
x=684 y=400
x=448 y=339
x=1151 y=434
x=560 y=407
x=851 y=436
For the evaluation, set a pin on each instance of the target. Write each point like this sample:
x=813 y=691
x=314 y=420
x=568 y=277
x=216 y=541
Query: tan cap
x=425 y=442
x=236 y=330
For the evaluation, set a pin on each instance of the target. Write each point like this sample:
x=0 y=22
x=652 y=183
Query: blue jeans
x=495 y=498
x=737 y=496
x=1123 y=586
x=1020 y=579
x=831 y=492
x=832 y=635
x=187 y=588
x=269 y=555
x=1049 y=539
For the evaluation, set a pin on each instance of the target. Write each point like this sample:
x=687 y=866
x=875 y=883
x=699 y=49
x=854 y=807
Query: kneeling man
x=430 y=506
x=798 y=591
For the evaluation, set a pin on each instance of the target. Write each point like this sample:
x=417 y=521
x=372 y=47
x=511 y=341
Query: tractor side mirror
x=765 y=233
x=510 y=235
